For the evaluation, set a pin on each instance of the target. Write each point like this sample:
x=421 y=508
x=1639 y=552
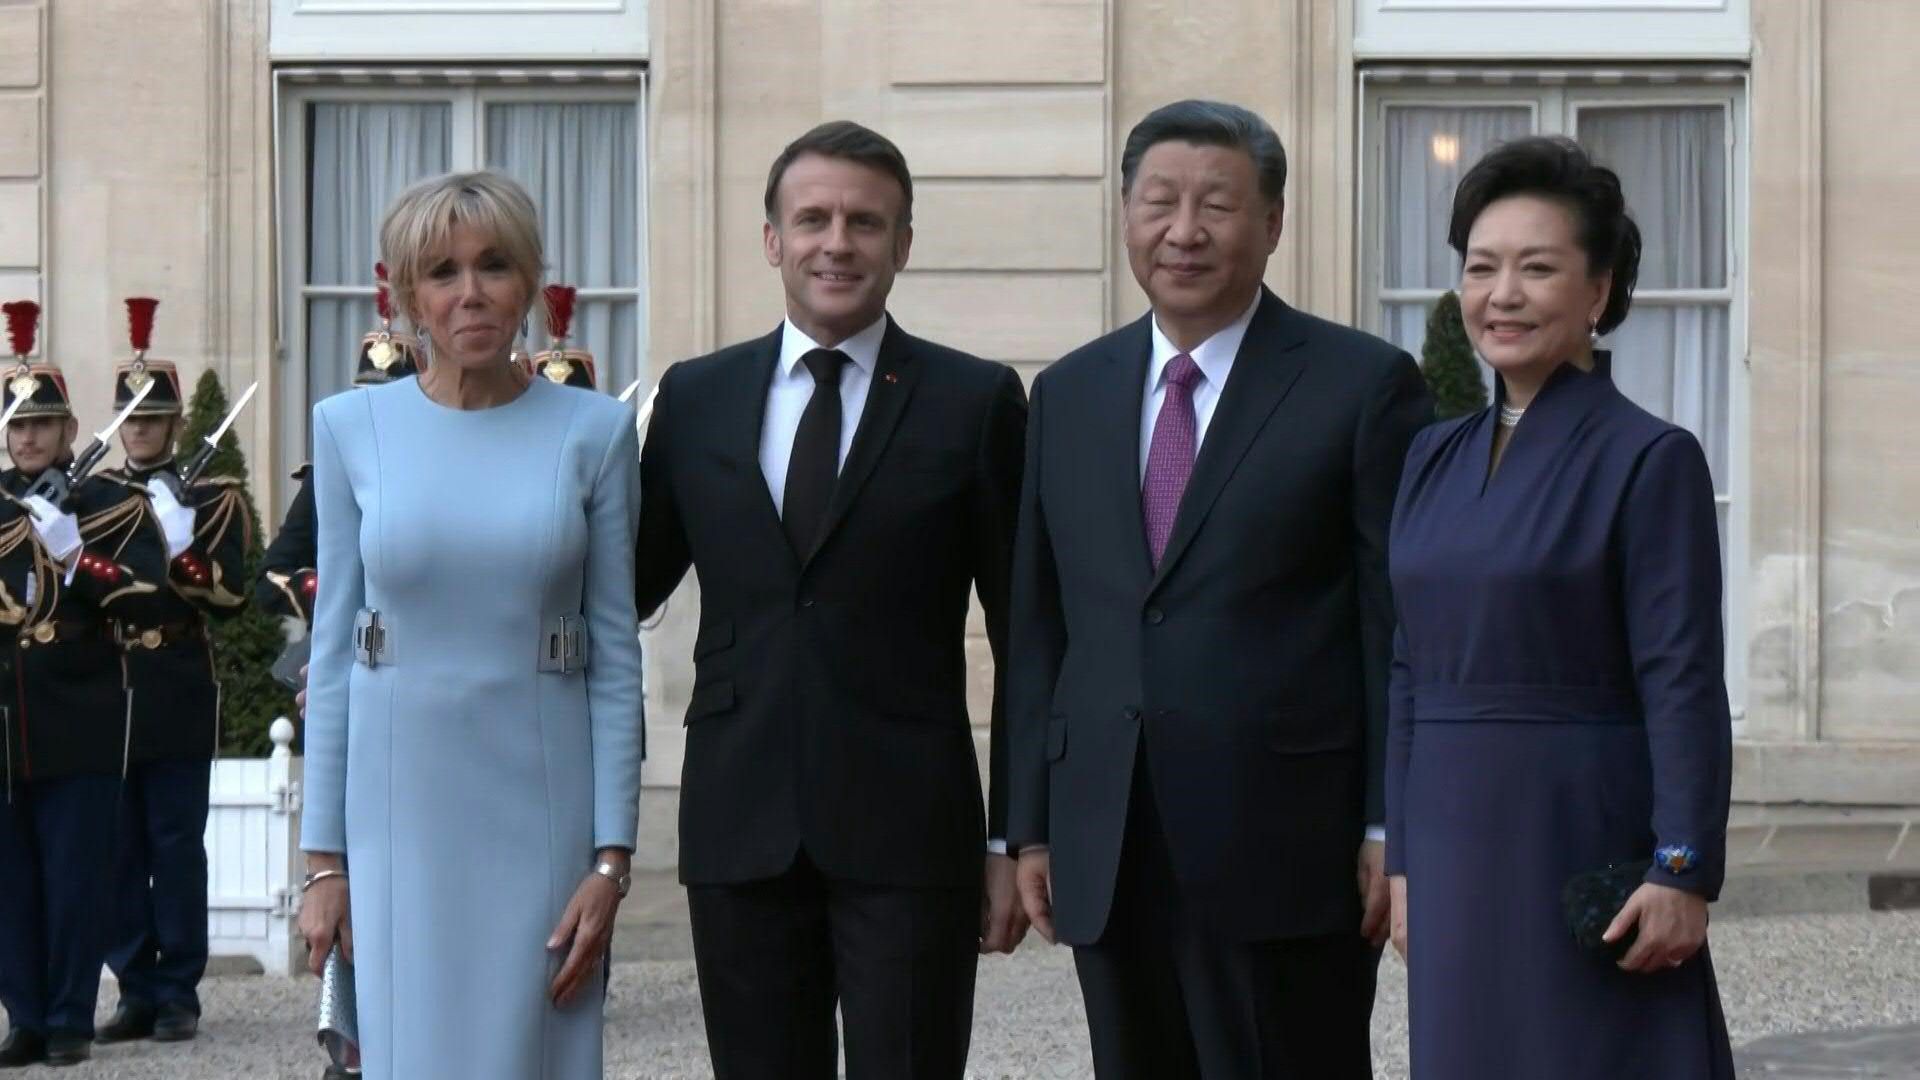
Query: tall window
x=1676 y=140
x=347 y=150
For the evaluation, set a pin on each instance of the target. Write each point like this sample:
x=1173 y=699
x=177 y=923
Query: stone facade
x=136 y=155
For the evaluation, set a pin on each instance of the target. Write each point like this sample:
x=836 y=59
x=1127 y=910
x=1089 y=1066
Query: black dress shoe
x=131 y=1020
x=68 y=1049
x=22 y=1048
x=175 y=1023
x=339 y=1072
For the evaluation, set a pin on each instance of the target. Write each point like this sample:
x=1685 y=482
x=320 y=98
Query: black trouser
x=56 y=882
x=775 y=956
x=1166 y=1001
x=160 y=935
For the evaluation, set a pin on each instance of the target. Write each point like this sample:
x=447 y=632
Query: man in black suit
x=1201 y=637
x=839 y=485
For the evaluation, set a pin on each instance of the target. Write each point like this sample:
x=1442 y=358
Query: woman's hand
x=1397 y=920
x=585 y=931
x=1673 y=926
x=326 y=917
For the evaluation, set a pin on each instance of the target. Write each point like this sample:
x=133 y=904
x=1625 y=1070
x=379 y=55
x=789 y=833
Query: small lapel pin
x=891 y=377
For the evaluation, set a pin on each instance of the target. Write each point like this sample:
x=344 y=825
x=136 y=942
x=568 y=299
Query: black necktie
x=815 y=464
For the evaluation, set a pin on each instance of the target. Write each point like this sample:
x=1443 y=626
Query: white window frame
x=1555 y=105
x=467 y=136
x=382 y=31
x=1630 y=30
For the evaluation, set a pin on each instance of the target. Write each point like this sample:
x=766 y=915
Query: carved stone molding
x=238 y=307
x=1787 y=346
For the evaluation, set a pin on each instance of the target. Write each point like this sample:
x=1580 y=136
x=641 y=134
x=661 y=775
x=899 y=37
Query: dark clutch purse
x=1593 y=898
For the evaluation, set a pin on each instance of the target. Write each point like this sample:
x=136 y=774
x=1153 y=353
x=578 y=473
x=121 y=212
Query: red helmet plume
x=559 y=309
x=140 y=311
x=23 y=316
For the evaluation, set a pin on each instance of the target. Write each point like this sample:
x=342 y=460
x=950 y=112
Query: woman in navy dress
x=1558 y=701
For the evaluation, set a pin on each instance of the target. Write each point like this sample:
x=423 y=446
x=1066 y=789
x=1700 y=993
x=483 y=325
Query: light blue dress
x=469 y=789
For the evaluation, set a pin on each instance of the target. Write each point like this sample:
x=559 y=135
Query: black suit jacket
x=1252 y=666
x=829 y=705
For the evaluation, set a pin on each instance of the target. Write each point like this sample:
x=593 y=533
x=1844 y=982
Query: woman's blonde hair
x=419 y=225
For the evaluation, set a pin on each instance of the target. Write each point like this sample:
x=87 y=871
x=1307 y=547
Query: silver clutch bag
x=339 y=1017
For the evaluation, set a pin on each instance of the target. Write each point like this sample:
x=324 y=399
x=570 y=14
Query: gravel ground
x=1825 y=995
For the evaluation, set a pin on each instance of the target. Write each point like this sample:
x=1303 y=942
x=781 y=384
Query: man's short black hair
x=847 y=141
x=1209 y=123
x=1554 y=167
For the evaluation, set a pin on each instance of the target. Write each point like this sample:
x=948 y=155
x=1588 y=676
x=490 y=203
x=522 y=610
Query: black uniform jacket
x=63 y=688
x=160 y=616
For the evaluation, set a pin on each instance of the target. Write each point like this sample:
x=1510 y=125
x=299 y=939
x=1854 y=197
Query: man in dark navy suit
x=1201 y=636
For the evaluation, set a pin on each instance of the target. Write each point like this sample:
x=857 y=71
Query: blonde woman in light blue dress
x=474 y=706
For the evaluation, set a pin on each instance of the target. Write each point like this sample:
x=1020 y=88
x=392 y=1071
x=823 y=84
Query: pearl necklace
x=1510 y=416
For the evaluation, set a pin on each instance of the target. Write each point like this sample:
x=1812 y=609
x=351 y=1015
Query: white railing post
x=283 y=847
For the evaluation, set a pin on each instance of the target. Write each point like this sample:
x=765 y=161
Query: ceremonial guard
x=288 y=578
x=65 y=706
x=558 y=363
x=187 y=539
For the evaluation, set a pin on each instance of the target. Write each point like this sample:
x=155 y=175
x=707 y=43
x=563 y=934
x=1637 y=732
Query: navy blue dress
x=1558 y=705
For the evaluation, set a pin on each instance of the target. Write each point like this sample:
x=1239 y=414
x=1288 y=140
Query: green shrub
x=1447 y=359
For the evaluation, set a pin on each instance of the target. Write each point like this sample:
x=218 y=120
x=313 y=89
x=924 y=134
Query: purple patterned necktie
x=1170 y=455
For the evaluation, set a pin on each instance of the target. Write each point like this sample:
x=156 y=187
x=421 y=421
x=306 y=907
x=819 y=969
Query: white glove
x=60 y=533
x=175 y=520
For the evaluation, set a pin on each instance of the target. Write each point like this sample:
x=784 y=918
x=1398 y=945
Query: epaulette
x=218 y=514
x=112 y=517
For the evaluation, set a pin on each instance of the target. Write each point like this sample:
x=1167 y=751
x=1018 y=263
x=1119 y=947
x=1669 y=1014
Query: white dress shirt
x=1214 y=357
x=792 y=388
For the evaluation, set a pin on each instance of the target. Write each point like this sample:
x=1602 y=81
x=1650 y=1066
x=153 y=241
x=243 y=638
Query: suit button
x=1155 y=616
x=1130 y=714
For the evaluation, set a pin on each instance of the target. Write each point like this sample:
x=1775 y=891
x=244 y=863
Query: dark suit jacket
x=829 y=705
x=1253 y=665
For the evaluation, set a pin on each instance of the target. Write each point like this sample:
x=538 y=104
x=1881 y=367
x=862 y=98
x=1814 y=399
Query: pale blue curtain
x=1427 y=150
x=1673 y=360
x=360 y=156
x=580 y=162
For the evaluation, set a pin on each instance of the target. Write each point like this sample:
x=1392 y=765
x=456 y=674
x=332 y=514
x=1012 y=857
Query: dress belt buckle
x=151 y=638
x=563 y=645
x=45 y=633
x=372 y=638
